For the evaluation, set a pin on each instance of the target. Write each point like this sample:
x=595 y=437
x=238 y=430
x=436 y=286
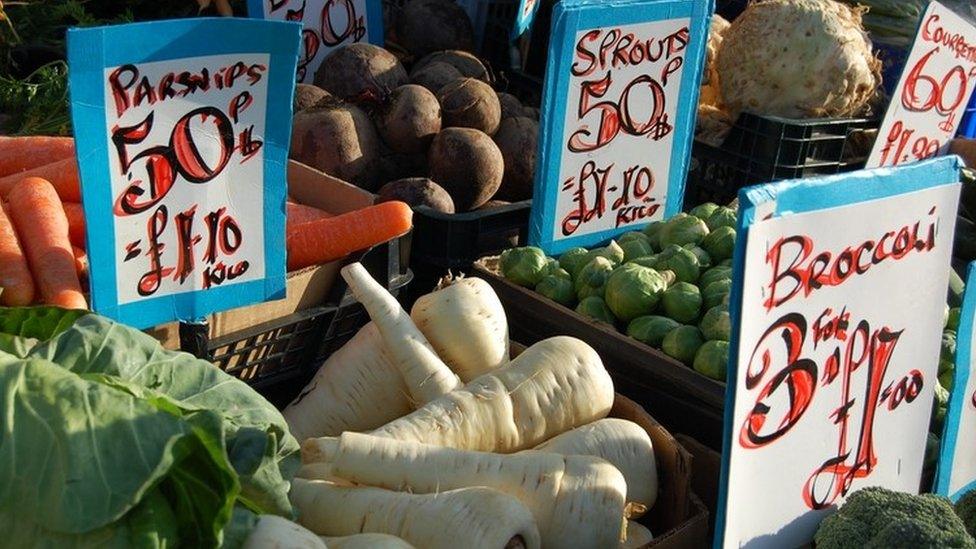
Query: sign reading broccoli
x=618 y=115
x=838 y=305
x=956 y=474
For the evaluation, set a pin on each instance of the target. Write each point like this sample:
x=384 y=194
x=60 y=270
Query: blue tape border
x=796 y=197
x=90 y=51
x=569 y=17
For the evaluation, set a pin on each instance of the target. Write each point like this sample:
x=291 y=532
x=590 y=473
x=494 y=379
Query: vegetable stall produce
x=139 y=443
x=666 y=286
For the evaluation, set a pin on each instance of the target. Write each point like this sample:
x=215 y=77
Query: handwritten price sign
x=326 y=25
x=618 y=115
x=956 y=473
x=182 y=130
x=835 y=353
x=527 y=11
x=931 y=98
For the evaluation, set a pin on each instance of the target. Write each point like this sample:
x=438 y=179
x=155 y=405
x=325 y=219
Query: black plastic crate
x=762 y=149
x=278 y=357
x=526 y=87
x=455 y=241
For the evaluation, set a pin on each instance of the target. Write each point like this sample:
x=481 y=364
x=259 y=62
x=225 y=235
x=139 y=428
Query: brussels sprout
x=636 y=248
x=632 y=235
x=714 y=275
x=948 y=351
x=594 y=307
x=633 y=291
x=723 y=217
x=720 y=243
x=592 y=279
x=715 y=293
x=683 y=230
x=653 y=232
x=682 y=262
x=558 y=288
x=716 y=324
x=682 y=302
x=711 y=359
x=725 y=263
x=704 y=258
x=650 y=330
x=704 y=211
x=682 y=343
x=946 y=378
x=574 y=259
x=524 y=266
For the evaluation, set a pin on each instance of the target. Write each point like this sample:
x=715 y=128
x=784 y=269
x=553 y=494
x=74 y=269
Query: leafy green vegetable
x=145 y=445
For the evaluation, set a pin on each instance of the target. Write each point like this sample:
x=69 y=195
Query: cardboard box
x=681 y=398
x=304 y=289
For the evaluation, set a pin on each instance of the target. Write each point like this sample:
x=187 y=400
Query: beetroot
x=360 y=71
x=468 y=164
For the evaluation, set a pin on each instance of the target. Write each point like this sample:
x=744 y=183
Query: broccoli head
x=877 y=517
x=966 y=509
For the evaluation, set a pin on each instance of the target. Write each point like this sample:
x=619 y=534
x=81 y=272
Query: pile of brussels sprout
x=666 y=286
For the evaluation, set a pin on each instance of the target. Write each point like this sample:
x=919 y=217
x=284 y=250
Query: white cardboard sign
x=928 y=104
x=838 y=307
x=326 y=25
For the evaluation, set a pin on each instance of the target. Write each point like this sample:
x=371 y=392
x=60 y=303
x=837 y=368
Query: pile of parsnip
x=423 y=429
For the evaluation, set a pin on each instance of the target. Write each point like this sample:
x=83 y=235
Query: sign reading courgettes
x=326 y=25
x=956 y=474
x=618 y=112
x=182 y=132
x=837 y=307
x=928 y=104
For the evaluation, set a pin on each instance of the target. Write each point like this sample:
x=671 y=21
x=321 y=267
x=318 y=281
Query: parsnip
x=425 y=374
x=366 y=541
x=465 y=323
x=637 y=536
x=357 y=389
x=577 y=501
x=555 y=385
x=471 y=518
x=274 y=532
x=625 y=445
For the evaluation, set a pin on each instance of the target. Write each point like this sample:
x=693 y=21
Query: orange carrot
x=39 y=218
x=16 y=284
x=81 y=263
x=329 y=239
x=63 y=175
x=76 y=223
x=19 y=154
x=299 y=214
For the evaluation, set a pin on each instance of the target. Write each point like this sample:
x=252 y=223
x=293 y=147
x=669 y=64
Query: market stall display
x=423 y=377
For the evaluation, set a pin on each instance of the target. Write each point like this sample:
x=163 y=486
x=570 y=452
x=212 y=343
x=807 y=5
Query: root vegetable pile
x=436 y=136
x=423 y=417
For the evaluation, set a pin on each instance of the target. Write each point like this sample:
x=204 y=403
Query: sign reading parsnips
x=182 y=132
x=618 y=112
x=837 y=306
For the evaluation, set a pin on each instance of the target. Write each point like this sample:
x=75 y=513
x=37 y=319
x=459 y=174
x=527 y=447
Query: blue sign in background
x=569 y=18
x=90 y=52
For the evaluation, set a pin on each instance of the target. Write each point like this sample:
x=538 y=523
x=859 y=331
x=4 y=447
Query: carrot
x=16 y=284
x=299 y=214
x=76 y=223
x=39 y=218
x=19 y=154
x=63 y=175
x=81 y=262
x=336 y=237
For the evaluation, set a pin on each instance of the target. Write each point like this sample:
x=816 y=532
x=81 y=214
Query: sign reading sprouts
x=182 y=144
x=835 y=355
x=619 y=104
x=326 y=25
